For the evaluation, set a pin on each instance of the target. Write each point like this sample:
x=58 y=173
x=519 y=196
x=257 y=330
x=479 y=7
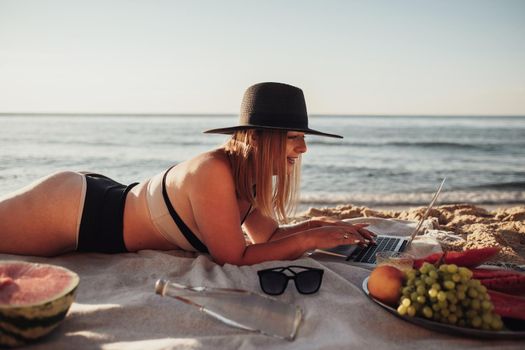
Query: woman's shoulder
x=209 y=170
x=211 y=163
x=205 y=169
x=213 y=158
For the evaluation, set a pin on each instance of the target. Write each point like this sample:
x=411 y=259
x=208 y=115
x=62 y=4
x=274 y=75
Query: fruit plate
x=446 y=328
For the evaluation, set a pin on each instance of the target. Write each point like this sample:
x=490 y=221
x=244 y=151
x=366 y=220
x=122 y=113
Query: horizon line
x=142 y=114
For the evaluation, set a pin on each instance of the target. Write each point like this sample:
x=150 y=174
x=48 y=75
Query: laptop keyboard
x=368 y=254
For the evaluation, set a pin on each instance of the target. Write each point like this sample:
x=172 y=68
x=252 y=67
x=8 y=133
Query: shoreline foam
x=475 y=226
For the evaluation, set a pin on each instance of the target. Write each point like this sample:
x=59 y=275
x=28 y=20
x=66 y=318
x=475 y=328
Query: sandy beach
x=466 y=226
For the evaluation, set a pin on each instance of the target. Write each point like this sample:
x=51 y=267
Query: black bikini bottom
x=102 y=225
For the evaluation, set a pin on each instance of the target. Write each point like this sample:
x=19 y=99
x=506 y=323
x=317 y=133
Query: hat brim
x=232 y=129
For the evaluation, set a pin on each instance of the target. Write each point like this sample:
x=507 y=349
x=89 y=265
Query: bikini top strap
x=247 y=213
x=250 y=208
x=190 y=236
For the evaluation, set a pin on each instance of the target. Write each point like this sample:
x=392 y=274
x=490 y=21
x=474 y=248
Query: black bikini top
x=188 y=234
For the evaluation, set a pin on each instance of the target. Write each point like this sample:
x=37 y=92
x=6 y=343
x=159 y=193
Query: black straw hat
x=273 y=106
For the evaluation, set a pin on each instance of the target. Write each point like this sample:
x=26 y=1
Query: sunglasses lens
x=273 y=282
x=308 y=282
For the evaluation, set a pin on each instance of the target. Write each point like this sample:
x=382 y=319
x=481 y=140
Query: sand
x=467 y=225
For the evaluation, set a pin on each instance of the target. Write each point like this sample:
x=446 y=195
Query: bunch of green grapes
x=448 y=294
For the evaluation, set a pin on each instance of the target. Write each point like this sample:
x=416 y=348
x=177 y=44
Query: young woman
x=202 y=204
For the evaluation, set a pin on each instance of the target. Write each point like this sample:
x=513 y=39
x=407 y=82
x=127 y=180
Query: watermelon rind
x=22 y=324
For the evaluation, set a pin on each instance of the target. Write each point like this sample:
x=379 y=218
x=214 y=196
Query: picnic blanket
x=116 y=308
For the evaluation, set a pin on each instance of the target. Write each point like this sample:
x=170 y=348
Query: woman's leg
x=41 y=218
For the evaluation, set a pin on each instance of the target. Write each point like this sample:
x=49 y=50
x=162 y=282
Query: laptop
x=366 y=256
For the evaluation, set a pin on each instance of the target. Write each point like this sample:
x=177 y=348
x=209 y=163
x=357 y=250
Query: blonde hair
x=259 y=164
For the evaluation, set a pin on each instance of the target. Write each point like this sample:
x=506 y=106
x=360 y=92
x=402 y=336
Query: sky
x=391 y=57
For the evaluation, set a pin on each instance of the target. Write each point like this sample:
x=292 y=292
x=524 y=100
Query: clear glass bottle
x=239 y=308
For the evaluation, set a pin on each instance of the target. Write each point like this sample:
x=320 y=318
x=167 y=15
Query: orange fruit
x=385 y=284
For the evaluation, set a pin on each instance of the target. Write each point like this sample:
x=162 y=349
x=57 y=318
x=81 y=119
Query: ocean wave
x=416 y=199
x=420 y=144
x=457 y=145
x=515 y=185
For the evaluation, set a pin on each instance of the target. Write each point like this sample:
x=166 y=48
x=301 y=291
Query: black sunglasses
x=274 y=281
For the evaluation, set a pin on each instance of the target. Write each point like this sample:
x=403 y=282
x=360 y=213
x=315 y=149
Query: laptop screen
x=425 y=216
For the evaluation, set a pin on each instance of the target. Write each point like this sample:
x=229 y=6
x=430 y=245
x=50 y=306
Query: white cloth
x=116 y=308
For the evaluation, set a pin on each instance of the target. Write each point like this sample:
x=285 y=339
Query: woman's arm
x=216 y=214
x=263 y=229
x=292 y=246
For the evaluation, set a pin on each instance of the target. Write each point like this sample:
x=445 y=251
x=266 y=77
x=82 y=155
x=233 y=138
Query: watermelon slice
x=34 y=299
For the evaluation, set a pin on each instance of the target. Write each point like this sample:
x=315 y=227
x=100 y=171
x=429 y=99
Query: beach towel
x=116 y=308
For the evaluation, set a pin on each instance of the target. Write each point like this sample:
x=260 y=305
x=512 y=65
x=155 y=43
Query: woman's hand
x=328 y=233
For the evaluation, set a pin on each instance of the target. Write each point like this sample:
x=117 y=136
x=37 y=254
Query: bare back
x=139 y=230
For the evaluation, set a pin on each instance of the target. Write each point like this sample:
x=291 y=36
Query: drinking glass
x=400 y=260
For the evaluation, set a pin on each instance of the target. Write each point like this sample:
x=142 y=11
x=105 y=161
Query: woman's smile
x=291 y=160
x=295 y=146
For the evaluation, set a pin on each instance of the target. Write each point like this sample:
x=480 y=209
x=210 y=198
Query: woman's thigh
x=42 y=218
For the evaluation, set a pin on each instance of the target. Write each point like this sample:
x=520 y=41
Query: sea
x=383 y=161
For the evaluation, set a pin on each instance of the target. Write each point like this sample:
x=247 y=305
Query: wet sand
x=473 y=226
